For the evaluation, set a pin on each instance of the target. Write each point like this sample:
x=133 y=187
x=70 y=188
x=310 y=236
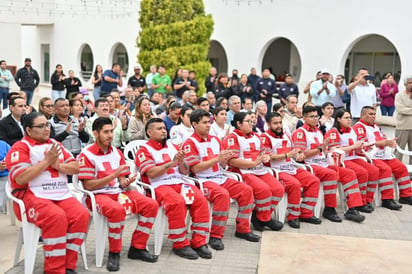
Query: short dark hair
x=150 y=122
x=100 y=100
x=59 y=99
x=271 y=116
x=12 y=94
x=28 y=120
x=197 y=115
x=217 y=110
x=201 y=100
x=327 y=104
x=2 y=61
x=239 y=117
x=115 y=64
x=13 y=100
x=365 y=108
x=308 y=109
x=100 y=122
x=175 y=106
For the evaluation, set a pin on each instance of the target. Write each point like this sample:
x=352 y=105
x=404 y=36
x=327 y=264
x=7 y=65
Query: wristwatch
x=320 y=148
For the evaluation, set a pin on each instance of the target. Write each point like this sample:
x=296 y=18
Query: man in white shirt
x=362 y=92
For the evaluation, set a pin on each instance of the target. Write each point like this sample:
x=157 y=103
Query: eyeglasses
x=42 y=126
x=313 y=116
x=48 y=106
x=248 y=121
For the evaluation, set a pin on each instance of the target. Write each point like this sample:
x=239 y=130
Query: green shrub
x=175 y=34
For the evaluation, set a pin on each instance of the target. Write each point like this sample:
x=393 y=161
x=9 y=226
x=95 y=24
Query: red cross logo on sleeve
x=284 y=149
x=106 y=172
x=211 y=155
x=167 y=159
x=252 y=153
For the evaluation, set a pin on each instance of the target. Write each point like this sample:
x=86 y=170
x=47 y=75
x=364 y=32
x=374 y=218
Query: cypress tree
x=175 y=34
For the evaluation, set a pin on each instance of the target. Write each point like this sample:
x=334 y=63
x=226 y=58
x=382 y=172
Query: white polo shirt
x=362 y=96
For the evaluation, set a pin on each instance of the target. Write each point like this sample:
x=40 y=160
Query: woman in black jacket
x=58 y=85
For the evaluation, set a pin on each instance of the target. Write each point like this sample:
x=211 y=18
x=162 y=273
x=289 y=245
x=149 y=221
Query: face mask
x=86 y=98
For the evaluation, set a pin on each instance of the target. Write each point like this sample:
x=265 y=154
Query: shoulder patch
x=231 y=141
x=186 y=149
x=142 y=157
x=299 y=135
x=15 y=157
x=81 y=161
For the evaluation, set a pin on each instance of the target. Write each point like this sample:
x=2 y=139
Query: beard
x=278 y=133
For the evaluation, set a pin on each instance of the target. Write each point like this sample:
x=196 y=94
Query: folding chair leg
x=281 y=209
x=101 y=232
x=18 y=247
x=342 y=197
x=319 y=203
x=84 y=258
x=31 y=239
x=159 y=228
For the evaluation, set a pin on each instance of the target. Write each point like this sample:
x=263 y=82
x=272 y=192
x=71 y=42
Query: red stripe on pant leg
x=261 y=191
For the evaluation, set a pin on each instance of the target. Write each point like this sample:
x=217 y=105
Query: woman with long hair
x=343 y=137
x=183 y=130
x=223 y=86
x=57 y=81
x=97 y=81
x=143 y=113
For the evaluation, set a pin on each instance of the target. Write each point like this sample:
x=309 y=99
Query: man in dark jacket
x=265 y=87
x=27 y=79
x=11 y=129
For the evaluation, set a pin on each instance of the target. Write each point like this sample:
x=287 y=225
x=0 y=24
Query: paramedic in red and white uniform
x=309 y=139
x=279 y=145
x=248 y=158
x=38 y=174
x=342 y=136
x=103 y=170
x=162 y=164
x=378 y=146
x=205 y=157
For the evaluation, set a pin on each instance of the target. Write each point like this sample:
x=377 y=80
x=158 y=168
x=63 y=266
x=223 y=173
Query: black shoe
x=274 y=225
x=257 y=224
x=406 y=200
x=186 y=252
x=70 y=271
x=368 y=208
x=295 y=223
x=311 y=220
x=354 y=215
x=331 y=214
x=141 y=254
x=113 y=262
x=204 y=252
x=216 y=243
x=250 y=236
x=391 y=204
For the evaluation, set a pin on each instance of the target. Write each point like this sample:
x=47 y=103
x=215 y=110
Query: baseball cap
x=83 y=91
x=137 y=66
x=27 y=59
x=324 y=71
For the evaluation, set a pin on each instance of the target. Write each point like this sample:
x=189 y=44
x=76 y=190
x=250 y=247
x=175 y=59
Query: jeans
x=29 y=94
x=56 y=94
x=96 y=93
x=3 y=96
x=387 y=111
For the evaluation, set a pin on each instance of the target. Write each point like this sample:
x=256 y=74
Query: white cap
x=324 y=71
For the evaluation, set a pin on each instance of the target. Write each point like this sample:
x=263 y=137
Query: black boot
x=354 y=215
x=331 y=214
x=257 y=224
x=216 y=243
x=141 y=254
x=391 y=204
x=113 y=262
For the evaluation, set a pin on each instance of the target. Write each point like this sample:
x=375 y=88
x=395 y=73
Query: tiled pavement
x=240 y=256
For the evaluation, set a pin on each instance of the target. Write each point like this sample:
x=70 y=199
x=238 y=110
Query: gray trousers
x=404 y=137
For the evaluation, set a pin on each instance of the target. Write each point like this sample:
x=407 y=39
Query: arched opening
x=86 y=62
x=217 y=56
x=377 y=54
x=120 y=56
x=282 y=56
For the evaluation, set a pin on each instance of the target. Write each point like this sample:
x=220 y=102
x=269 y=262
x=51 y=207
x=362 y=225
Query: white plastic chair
x=130 y=151
x=29 y=236
x=100 y=223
